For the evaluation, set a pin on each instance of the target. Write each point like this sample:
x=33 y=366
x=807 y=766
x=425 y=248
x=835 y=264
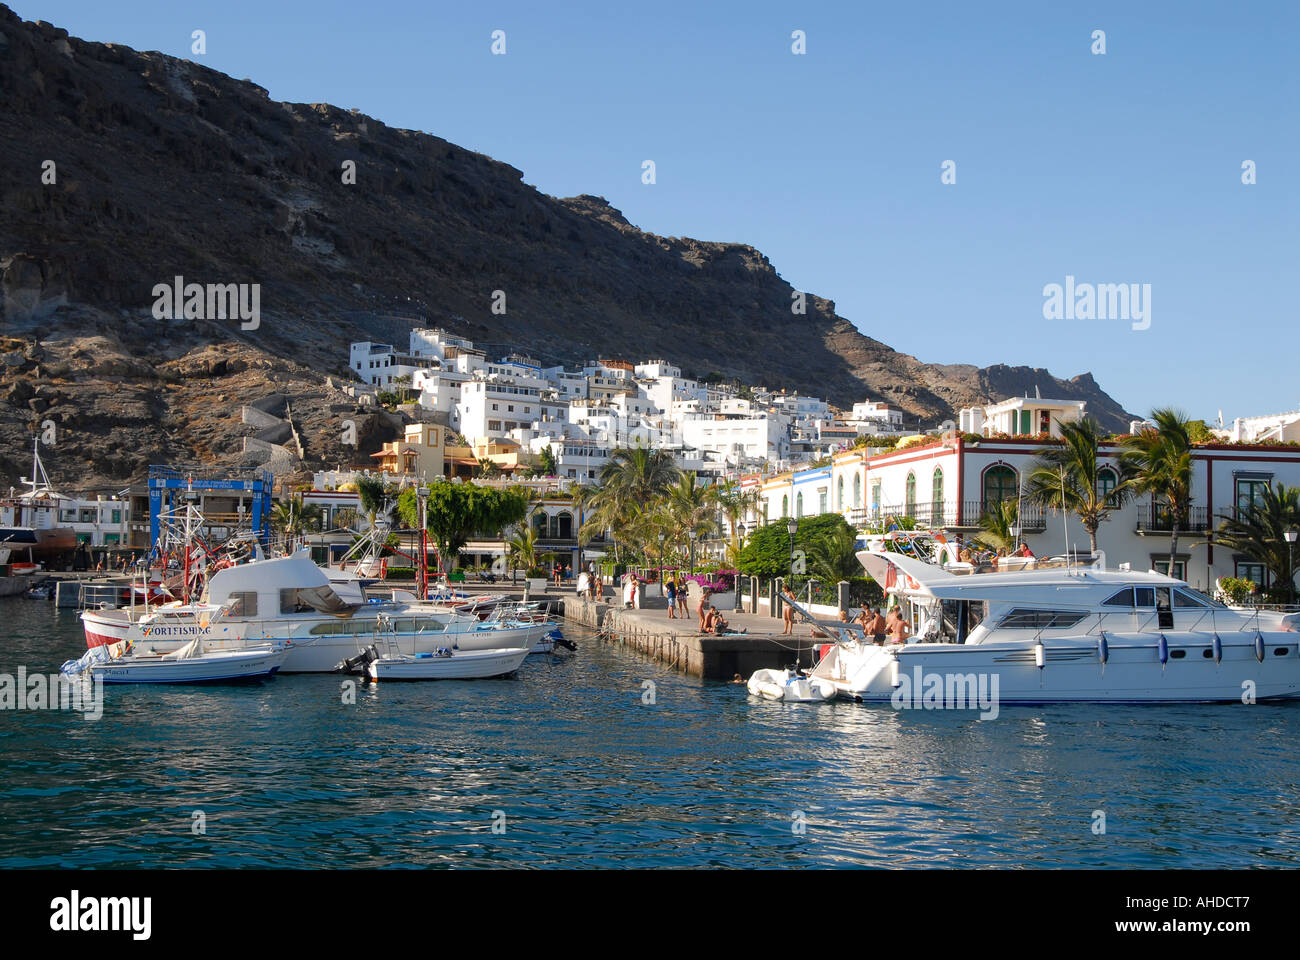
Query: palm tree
x=996 y=523
x=833 y=556
x=736 y=504
x=522 y=549
x=1069 y=476
x=375 y=497
x=1159 y=460
x=694 y=511
x=292 y=518
x=1258 y=530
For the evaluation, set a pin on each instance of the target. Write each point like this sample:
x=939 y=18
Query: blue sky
x=1119 y=168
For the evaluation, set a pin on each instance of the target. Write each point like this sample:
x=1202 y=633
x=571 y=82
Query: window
x=875 y=497
x=243 y=604
x=1107 y=481
x=1026 y=420
x=1146 y=597
x=798 y=505
x=1254 y=572
x=1027 y=619
x=857 y=490
x=1184 y=600
x=1122 y=599
x=936 y=486
x=910 y=494
x=821 y=501
x=1162 y=566
x=839 y=494
x=785 y=505
x=1250 y=491
x=1000 y=483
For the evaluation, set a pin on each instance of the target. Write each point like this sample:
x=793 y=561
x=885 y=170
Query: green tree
x=833 y=555
x=766 y=552
x=1069 y=477
x=693 y=508
x=1258 y=530
x=1159 y=460
x=292 y=518
x=548 y=465
x=458 y=511
x=522 y=550
x=996 y=523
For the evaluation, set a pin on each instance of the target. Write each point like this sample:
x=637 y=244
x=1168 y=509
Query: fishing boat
x=1061 y=635
x=194 y=662
x=29 y=522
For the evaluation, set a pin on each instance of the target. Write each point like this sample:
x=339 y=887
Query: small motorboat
x=41 y=591
x=193 y=663
x=790 y=687
x=442 y=664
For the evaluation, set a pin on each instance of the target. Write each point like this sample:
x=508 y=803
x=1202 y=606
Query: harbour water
x=567 y=765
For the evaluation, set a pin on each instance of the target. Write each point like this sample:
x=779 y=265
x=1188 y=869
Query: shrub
x=1236 y=589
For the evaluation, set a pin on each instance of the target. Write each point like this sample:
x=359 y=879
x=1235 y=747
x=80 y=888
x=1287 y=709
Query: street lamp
x=791 y=526
x=1291 y=534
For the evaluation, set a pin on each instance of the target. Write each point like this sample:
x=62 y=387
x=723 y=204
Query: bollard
x=778 y=598
x=842 y=589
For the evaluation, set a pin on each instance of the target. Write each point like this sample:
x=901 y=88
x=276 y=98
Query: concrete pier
x=678 y=643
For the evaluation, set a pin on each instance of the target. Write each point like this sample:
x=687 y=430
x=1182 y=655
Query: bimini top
x=271 y=577
x=908 y=576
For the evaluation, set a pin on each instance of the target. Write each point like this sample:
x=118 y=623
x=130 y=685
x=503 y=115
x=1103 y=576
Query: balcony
x=1153 y=518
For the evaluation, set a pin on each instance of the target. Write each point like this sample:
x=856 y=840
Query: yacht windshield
x=1202 y=599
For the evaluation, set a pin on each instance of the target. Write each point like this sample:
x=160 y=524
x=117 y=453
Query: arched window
x=857 y=489
x=539 y=521
x=911 y=494
x=785 y=505
x=936 y=496
x=1107 y=481
x=1000 y=483
x=839 y=494
x=564 y=526
x=798 y=505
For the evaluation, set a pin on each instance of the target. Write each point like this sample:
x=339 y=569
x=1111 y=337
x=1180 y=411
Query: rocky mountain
x=125 y=169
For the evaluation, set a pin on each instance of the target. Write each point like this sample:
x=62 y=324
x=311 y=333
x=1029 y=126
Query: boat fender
x=1040 y=655
x=1259 y=646
x=1218 y=649
x=1103 y=649
x=1164 y=650
x=893 y=674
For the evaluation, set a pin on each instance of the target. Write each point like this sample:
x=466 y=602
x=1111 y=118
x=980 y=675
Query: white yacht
x=292 y=599
x=1062 y=634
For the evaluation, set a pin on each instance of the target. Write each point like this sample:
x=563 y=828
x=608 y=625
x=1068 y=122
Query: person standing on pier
x=787 y=611
x=683 y=606
x=670 y=591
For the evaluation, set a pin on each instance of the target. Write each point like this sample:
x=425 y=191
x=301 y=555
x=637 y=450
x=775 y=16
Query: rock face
x=123 y=170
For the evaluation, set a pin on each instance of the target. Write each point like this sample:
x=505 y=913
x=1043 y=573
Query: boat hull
x=221 y=667
x=1072 y=671
x=461 y=665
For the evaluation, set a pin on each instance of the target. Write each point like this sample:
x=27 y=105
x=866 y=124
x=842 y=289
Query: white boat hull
x=216 y=667
x=1072 y=670
x=311 y=653
x=461 y=665
x=789 y=687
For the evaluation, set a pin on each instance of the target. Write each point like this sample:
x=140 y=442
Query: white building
x=1021 y=417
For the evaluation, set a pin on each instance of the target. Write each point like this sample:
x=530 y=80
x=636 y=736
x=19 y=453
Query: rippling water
x=584 y=774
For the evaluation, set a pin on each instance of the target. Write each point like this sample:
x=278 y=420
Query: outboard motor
x=360 y=662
